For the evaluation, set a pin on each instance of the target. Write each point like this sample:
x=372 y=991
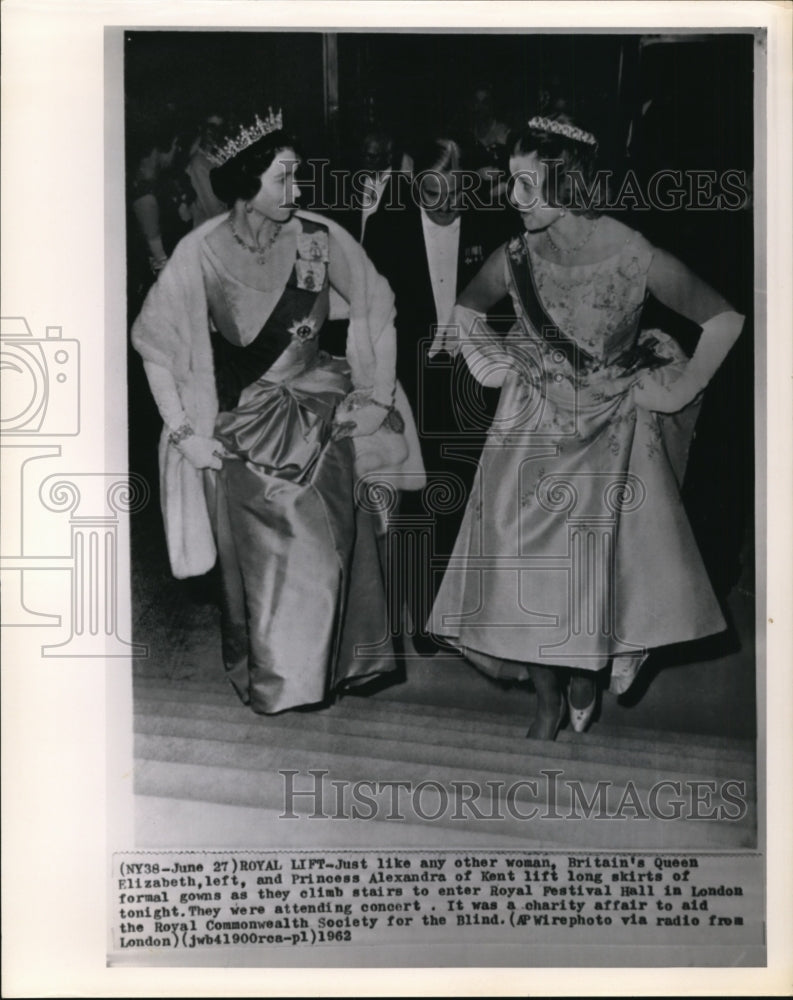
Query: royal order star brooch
x=304 y=329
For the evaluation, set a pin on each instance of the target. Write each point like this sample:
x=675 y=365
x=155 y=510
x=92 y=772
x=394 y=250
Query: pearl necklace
x=578 y=246
x=260 y=252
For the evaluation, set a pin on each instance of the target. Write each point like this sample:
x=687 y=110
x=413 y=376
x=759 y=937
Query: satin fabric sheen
x=302 y=578
x=575 y=547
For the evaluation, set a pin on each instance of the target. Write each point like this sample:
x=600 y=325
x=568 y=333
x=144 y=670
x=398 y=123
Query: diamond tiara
x=245 y=137
x=560 y=128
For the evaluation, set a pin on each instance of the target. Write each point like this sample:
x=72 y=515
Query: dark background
x=655 y=102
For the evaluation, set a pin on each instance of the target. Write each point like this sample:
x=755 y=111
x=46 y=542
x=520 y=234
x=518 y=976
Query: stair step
x=202 y=825
x=627 y=739
x=382 y=737
x=195 y=740
x=247 y=775
x=245 y=790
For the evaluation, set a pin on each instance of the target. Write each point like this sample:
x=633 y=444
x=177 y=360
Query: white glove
x=203 y=452
x=651 y=393
x=468 y=334
x=447 y=338
x=717 y=337
x=463 y=323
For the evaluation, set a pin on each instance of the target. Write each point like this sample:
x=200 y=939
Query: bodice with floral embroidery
x=596 y=305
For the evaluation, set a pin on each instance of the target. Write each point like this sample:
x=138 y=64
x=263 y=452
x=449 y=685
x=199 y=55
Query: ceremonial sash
x=523 y=278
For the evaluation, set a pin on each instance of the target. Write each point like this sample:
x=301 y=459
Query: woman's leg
x=582 y=688
x=582 y=694
x=549 y=702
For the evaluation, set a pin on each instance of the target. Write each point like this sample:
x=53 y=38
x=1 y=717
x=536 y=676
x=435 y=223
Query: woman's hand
x=203 y=452
x=358 y=422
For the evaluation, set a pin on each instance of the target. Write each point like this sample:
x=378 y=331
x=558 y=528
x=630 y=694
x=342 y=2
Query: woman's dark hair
x=573 y=181
x=240 y=177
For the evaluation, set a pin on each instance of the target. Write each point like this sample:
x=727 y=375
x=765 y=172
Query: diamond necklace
x=578 y=246
x=259 y=252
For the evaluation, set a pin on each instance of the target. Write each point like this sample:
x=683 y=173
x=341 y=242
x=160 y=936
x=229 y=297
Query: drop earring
x=248 y=207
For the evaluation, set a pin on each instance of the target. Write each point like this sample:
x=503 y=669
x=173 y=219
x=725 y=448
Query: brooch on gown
x=304 y=329
x=313 y=246
x=312 y=260
x=310 y=276
x=516 y=248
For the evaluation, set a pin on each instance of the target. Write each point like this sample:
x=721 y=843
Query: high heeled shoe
x=581 y=717
x=559 y=722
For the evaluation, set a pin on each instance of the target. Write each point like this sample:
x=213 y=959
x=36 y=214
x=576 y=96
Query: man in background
x=429 y=248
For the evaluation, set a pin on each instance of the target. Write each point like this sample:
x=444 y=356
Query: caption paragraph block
x=307 y=899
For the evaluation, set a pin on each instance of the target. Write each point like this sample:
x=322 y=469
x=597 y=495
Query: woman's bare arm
x=147 y=213
x=677 y=287
x=488 y=286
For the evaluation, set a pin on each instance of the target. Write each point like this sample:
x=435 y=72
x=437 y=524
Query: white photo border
x=66 y=755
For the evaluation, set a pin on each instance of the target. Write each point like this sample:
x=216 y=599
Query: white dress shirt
x=372 y=194
x=442 y=244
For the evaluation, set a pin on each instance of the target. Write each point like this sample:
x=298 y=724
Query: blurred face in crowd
x=482 y=105
x=212 y=131
x=439 y=196
x=277 y=198
x=166 y=157
x=439 y=187
x=376 y=154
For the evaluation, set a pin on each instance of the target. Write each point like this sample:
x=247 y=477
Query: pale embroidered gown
x=575 y=547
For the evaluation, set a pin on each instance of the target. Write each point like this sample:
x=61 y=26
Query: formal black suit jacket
x=396 y=192
x=452 y=411
x=395 y=243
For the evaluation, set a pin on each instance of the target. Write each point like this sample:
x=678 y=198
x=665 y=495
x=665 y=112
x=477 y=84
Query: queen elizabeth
x=266 y=436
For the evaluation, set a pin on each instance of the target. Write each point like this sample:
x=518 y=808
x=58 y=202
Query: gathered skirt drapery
x=303 y=602
x=575 y=547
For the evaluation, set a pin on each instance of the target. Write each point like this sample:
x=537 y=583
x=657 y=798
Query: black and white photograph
x=426 y=574
x=453 y=382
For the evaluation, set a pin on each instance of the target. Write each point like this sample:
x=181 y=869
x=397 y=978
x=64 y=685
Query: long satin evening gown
x=303 y=601
x=575 y=549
